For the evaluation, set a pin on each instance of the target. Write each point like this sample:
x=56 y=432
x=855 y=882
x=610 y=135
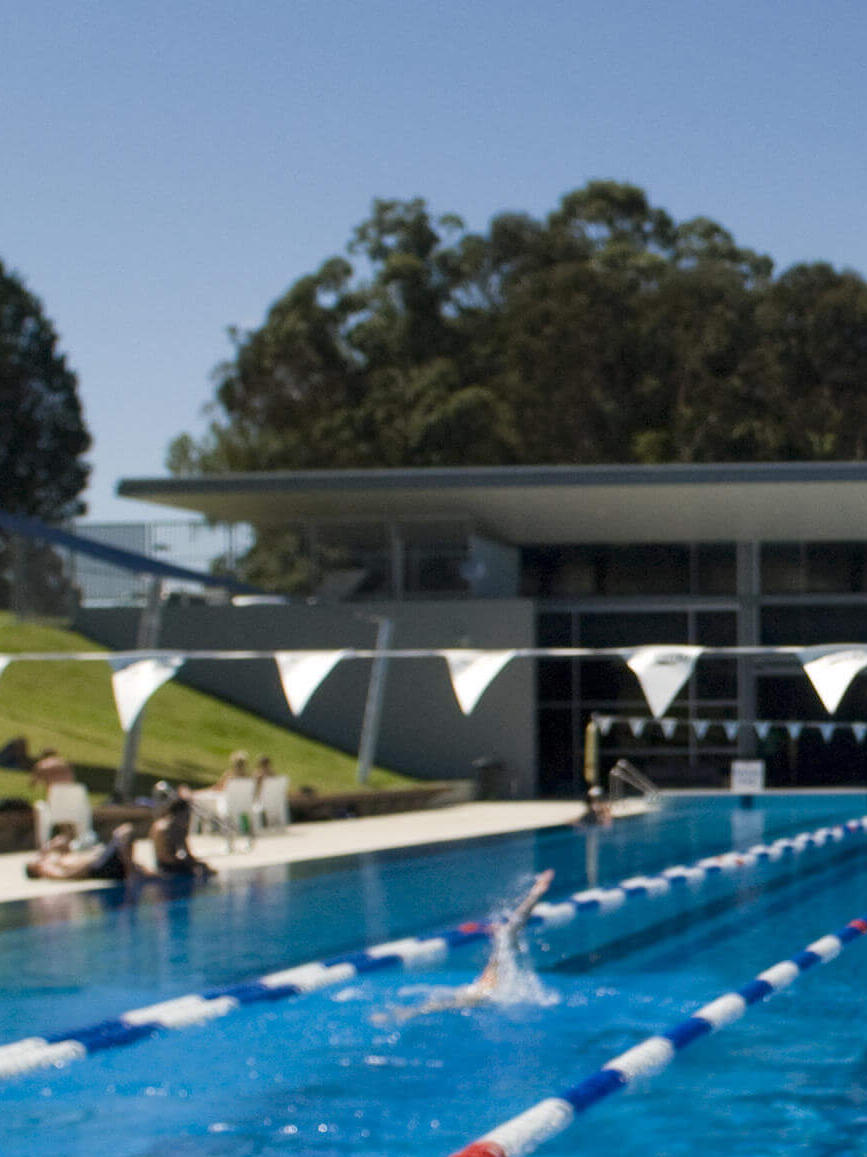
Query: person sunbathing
x=113 y=861
x=484 y=988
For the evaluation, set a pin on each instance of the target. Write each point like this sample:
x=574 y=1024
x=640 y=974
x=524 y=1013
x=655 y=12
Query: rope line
x=610 y=899
x=525 y=1133
x=55 y=1049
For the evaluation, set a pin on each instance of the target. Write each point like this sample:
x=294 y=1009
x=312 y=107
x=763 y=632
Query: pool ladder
x=624 y=773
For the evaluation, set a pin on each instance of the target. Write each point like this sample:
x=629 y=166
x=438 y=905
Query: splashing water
x=516 y=980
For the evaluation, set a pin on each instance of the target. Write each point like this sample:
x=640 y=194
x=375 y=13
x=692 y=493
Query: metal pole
x=147 y=639
x=373 y=706
x=591 y=754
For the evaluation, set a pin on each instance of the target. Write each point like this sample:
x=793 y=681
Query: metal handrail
x=624 y=772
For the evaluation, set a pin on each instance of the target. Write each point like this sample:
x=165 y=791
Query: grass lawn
x=186 y=736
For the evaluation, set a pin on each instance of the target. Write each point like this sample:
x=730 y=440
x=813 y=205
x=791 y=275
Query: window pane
x=716 y=568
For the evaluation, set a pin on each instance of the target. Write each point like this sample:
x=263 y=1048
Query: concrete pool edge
x=304 y=842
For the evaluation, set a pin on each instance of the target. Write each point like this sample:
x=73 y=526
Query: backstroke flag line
x=832 y=669
x=301 y=672
x=134 y=681
x=662 y=671
x=472 y=671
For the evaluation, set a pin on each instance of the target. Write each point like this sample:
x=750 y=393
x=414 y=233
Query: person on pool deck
x=239 y=768
x=113 y=861
x=505 y=945
x=169 y=834
x=51 y=768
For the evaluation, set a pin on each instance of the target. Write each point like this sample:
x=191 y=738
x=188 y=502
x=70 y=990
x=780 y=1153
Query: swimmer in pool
x=505 y=944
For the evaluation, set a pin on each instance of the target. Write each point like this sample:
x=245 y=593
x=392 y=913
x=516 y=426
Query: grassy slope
x=186 y=736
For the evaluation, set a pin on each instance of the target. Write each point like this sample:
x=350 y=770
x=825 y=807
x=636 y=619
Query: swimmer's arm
x=521 y=914
x=464 y=998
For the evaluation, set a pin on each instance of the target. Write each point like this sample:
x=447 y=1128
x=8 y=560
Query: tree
x=604 y=332
x=42 y=438
x=814 y=325
x=43 y=435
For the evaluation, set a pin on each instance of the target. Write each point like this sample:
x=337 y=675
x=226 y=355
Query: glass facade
x=715 y=595
x=387 y=559
x=571 y=691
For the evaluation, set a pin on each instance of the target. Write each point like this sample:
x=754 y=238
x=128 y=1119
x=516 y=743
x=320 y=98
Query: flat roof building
x=756 y=554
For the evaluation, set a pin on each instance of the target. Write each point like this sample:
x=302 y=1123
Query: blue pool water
x=317 y=1076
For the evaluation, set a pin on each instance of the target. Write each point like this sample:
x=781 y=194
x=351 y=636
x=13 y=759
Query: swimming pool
x=315 y=1075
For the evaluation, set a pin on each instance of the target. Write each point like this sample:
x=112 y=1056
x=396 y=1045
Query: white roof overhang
x=816 y=501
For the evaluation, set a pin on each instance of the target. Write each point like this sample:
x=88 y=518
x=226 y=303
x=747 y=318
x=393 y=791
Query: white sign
x=748 y=775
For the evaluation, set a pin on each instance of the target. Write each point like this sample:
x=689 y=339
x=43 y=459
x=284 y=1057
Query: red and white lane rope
x=525 y=1133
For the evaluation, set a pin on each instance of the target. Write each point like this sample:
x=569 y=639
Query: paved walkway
x=319 y=841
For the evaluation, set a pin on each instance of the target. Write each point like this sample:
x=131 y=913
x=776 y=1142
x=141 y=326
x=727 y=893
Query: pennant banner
x=471 y=673
x=831 y=670
x=133 y=681
x=5 y=660
x=603 y=722
x=662 y=671
x=700 y=727
x=301 y=672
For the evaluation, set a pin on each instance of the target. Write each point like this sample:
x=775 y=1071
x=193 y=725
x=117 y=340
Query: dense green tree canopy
x=43 y=435
x=606 y=332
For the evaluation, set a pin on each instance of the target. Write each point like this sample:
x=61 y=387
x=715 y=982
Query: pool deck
x=328 y=839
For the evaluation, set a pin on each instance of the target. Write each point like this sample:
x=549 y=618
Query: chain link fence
x=39 y=579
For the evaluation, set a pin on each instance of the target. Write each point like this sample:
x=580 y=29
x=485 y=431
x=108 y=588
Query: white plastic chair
x=271 y=807
x=238 y=802
x=64 y=803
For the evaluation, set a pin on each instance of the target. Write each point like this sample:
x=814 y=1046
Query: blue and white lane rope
x=56 y=1049
x=526 y=1132
x=609 y=899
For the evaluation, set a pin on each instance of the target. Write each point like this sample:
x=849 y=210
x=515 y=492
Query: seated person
x=264 y=770
x=113 y=861
x=169 y=834
x=238 y=769
x=50 y=768
x=505 y=944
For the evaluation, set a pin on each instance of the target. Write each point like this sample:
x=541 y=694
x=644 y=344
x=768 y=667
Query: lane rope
x=525 y=1133
x=57 y=1049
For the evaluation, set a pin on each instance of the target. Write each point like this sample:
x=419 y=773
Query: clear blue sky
x=169 y=169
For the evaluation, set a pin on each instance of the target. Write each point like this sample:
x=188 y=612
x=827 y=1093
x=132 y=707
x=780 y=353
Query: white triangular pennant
x=637 y=726
x=700 y=727
x=763 y=728
x=133 y=681
x=794 y=730
x=859 y=730
x=832 y=669
x=5 y=660
x=301 y=672
x=669 y=726
x=472 y=672
x=731 y=727
x=826 y=730
x=662 y=671
x=604 y=723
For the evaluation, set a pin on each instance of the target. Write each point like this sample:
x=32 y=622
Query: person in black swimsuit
x=112 y=861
